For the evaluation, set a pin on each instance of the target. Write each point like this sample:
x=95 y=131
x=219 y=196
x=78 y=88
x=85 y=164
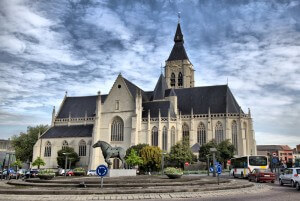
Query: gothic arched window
x=172 y=80
x=219 y=132
x=165 y=139
x=201 y=134
x=185 y=132
x=82 y=148
x=180 y=80
x=47 y=150
x=117 y=129
x=65 y=144
x=234 y=134
x=172 y=136
x=154 y=136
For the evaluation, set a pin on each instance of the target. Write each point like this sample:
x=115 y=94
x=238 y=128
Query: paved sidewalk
x=256 y=189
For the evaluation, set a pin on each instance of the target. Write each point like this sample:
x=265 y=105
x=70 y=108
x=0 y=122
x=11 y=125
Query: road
x=261 y=191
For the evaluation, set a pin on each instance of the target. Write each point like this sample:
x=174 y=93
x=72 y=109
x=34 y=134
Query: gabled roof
x=78 y=106
x=161 y=86
x=155 y=106
x=69 y=131
x=133 y=89
x=201 y=98
x=273 y=148
x=178 y=52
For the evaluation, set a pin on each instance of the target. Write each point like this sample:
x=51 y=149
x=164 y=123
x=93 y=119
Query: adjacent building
x=283 y=152
x=128 y=115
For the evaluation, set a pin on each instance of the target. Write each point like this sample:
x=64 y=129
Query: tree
x=72 y=156
x=137 y=148
x=38 y=162
x=17 y=164
x=205 y=150
x=133 y=159
x=226 y=150
x=180 y=154
x=24 y=142
x=151 y=156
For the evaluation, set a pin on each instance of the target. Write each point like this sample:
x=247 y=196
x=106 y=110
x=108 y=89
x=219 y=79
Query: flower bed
x=173 y=173
x=46 y=174
x=79 y=172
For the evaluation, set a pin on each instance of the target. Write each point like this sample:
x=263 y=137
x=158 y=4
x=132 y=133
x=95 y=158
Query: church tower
x=179 y=71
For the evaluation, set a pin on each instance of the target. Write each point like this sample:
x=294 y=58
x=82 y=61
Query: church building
x=128 y=115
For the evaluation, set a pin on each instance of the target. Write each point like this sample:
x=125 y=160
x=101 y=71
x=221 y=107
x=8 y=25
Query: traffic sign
x=211 y=169
x=219 y=168
x=101 y=170
x=275 y=160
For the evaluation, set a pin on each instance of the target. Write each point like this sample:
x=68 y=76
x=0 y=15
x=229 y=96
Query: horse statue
x=110 y=152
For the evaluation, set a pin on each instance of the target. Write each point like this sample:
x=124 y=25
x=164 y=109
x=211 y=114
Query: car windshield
x=298 y=171
x=258 y=160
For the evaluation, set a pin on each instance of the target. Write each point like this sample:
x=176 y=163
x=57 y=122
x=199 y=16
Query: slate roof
x=69 y=131
x=273 y=147
x=155 y=106
x=200 y=98
x=133 y=89
x=161 y=86
x=178 y=51
x=195 y=148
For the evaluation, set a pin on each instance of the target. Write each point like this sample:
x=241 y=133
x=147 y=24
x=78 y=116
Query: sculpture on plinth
x=109 y=152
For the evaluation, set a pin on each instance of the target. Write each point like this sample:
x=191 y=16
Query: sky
x=49 y=47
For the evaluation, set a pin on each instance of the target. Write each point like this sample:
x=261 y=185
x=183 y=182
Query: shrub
x=46 y=172
x=151 y=156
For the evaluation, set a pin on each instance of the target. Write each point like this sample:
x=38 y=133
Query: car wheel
x=292 y=183
x=256 y=180
x=242 y=175
x=280 y=182
x=298 y=186
x=249 y=178
x=233 y=175
x=272 y=181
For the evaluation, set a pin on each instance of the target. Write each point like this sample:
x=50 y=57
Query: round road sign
x=101 y=170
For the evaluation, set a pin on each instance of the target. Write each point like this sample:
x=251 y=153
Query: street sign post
x=101 y=171
x=219 y=171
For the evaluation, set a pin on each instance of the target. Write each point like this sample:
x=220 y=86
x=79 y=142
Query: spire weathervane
x=178 y=17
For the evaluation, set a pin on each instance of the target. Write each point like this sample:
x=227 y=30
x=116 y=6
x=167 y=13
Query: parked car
x=289 y=176
x=22 y=172
x=261 y=175
x=61 y=172
x=70 y=173
x=31 y=174
x=91 y=173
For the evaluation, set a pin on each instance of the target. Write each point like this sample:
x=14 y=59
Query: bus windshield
x=258 y=160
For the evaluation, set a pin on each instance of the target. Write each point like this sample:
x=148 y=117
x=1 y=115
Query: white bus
x=242 y=166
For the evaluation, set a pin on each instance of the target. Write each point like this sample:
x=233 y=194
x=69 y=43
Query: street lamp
x=213 y=151
x=66 y=162
x=207 y=156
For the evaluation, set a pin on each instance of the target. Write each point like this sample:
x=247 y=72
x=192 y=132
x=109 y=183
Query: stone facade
x=127 y=116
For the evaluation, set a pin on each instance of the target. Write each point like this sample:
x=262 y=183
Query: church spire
x=178 y=35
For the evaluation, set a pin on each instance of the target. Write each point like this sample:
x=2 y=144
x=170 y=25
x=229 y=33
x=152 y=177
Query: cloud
x=49 y=47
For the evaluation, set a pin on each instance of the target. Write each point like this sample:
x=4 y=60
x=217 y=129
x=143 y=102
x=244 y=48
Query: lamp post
x=207 y=156
x=70 y=163
x=66 y=162
x=213 y=151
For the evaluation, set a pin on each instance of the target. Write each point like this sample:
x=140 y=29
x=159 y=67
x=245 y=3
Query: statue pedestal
x=121 y=173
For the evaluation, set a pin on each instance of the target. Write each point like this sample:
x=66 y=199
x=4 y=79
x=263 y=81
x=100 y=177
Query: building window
x=82 y=148
x=173 y=136
x=165 y=139
x=219 y=132
x=180 y=80
x=201 y=134
x=47 y=150
x=117 y=130
x=234 y=135
x=117 y=105
x=185 y=132
x=65 y=144
x=172 y=80
x=154 y=136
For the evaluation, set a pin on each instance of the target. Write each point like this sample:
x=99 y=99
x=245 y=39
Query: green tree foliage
x=17 y=163
x=38 y=162
x=133 y=159
x=226 y=150
x=151 y=156
x=137 y=148
x=61 y=158
x=24 y=142
x=181 y=153
x=205 y=150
